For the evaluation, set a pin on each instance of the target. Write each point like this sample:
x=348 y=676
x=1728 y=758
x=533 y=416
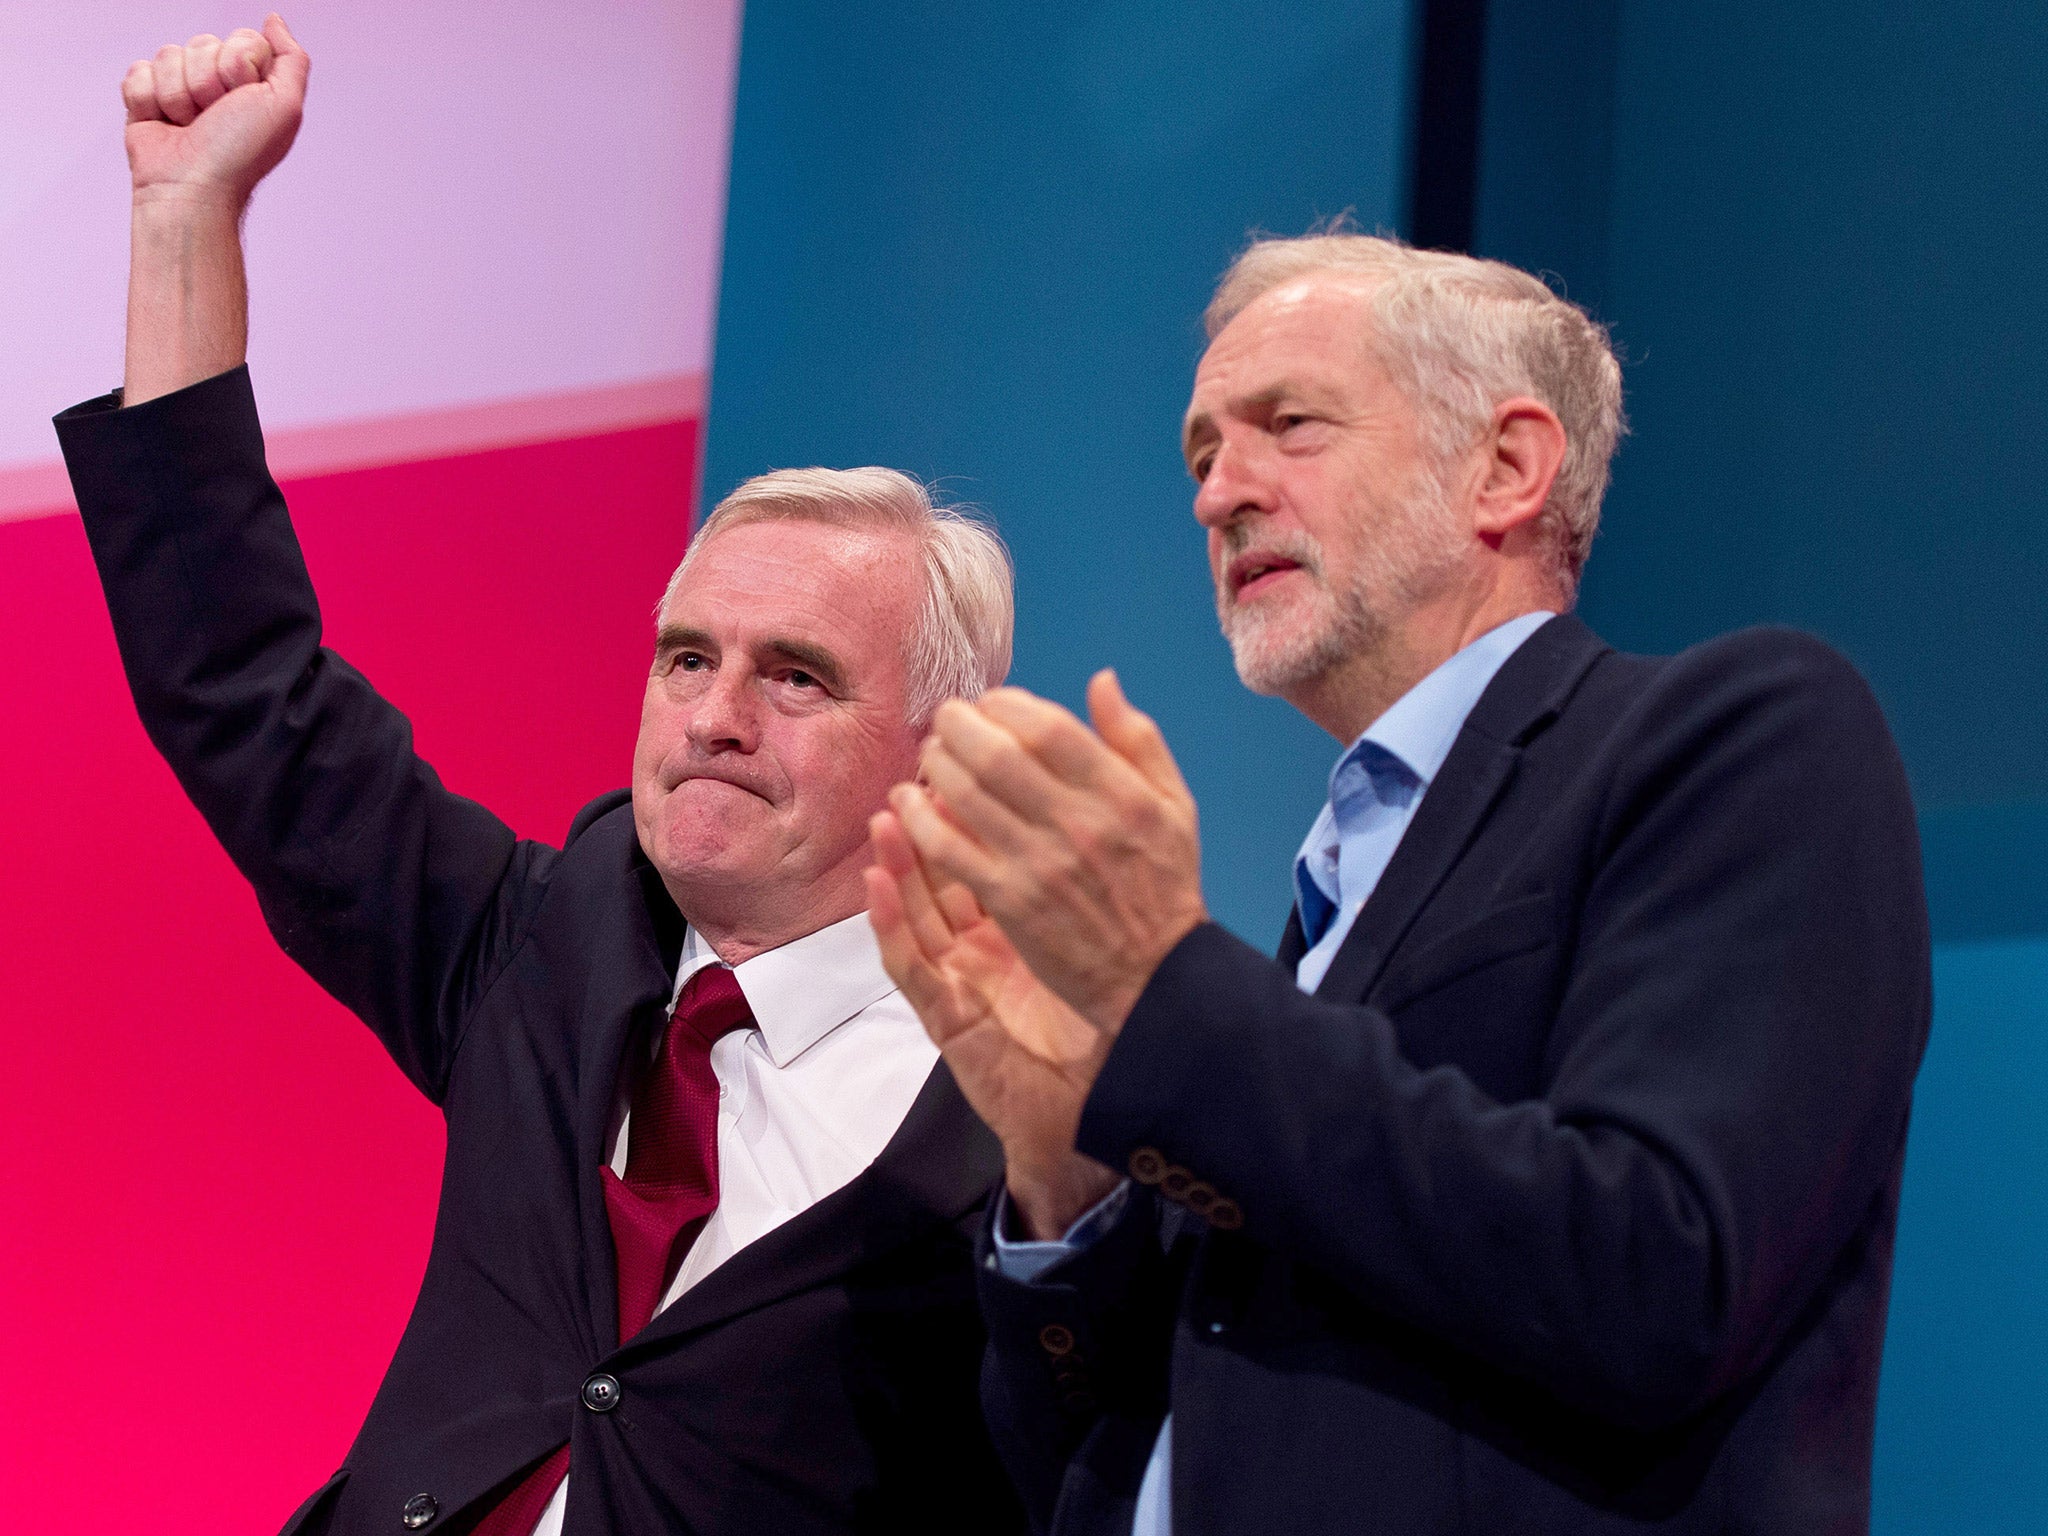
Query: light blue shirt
x=1374 y=791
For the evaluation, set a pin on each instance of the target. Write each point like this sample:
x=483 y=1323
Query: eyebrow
x=814 y=659
x=1201 y=426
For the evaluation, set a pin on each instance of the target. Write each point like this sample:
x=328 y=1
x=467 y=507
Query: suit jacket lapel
x=1294 y=942
x=939 y=1165
x=1524 y=697
x=616 y=1037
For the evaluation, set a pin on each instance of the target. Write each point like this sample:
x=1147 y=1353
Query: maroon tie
x=671 y=1185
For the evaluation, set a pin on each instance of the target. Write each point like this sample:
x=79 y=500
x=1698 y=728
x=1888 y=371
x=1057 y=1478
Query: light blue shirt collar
x=1382 y=776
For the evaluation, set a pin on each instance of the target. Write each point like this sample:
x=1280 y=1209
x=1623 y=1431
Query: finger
x=928 y=924
x=944 y=848
x=893 y=848
x=999 y=762
x=1133 y=735
x=291 y=65
x=901 y=957
x=1052 y=735
x=244 y=58
x=957 y=902
x=202 y=71
x=916 y=977
x=172 y=97
x=138 y=93
x=962 y=800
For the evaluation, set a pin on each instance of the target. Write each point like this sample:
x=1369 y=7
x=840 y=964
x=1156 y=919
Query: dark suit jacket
x=822 y=1379
x=1566 y=1203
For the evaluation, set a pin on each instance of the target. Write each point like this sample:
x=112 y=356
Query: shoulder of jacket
x=603 y=806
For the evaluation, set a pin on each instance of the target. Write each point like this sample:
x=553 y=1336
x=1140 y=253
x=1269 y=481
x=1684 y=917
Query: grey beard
x=1274 y=656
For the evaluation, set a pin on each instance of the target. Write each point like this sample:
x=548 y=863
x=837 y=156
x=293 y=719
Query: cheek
x=661 y=727
x=849 y=780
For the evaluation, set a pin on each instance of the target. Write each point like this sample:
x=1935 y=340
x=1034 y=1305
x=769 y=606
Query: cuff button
x=1148 y=1165
x=1055 y=1340
x=1225 y=1215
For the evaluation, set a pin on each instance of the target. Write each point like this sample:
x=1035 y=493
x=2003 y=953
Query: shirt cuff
x=1022 y=1260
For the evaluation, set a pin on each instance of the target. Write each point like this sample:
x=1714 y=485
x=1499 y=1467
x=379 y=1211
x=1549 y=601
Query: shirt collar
x=802 y=991
x=1423 y=723
x=1417 y=733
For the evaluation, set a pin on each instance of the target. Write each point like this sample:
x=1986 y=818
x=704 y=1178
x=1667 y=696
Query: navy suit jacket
x=821 y=1380
x=1566 y=1203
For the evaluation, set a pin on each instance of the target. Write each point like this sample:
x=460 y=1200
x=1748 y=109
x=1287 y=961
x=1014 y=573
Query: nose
x=724 y=717
x=1233 y=487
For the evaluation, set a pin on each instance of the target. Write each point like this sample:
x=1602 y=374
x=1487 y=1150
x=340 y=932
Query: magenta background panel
x=218 y=1191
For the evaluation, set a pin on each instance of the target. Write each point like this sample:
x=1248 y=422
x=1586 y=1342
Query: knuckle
x=202 y=40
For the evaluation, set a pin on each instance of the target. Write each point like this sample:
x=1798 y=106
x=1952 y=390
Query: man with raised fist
x=703 y=1255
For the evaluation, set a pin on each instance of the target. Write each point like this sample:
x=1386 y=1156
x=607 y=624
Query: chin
x=688 y=845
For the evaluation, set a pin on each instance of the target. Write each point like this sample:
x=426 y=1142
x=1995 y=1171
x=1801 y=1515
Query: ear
x=1524 y=450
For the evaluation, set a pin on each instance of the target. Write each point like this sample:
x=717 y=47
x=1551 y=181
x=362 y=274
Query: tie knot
x=712 y=1005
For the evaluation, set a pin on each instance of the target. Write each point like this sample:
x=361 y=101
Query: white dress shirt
x=806 y=1099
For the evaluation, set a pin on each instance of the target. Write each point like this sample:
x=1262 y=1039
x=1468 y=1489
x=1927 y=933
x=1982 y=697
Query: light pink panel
x=488 y=202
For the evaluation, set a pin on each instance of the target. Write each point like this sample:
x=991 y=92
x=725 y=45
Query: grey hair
x=1459 y=335
x=959 y=646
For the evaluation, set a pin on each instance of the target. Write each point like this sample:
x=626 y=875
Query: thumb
x=1133 y=735
x=290 y=65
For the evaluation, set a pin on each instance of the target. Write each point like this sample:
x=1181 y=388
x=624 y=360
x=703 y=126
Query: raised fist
x=215 y=115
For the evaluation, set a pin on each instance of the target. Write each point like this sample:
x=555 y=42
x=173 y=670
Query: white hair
x=959 y=646
x=1459 y=335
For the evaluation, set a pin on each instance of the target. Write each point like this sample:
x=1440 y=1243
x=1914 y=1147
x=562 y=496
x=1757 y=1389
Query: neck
x=1349 y=697
x=738 y=930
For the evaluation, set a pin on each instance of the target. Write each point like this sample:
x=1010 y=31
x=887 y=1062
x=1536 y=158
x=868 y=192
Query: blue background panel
x=1962 y=1427
x=974 y=243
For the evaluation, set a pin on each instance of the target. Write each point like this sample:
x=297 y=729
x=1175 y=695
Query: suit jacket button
x=601 y=1393
x=1055 y=1340
x=1226 y=1215
x=419 y=1509
x=1148 y=1166
x=1176 y=1184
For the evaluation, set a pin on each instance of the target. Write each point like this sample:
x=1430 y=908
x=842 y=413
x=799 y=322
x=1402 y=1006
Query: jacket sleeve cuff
x=197 y=433
x=1173 y=1068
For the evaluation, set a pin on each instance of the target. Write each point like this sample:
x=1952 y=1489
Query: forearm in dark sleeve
x=392 y=892
x=1727 y=1076
x=1080 y=1350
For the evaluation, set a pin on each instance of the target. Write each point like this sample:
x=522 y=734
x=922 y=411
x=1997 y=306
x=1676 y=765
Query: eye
x=1199 y=466
x=1288 y=419
x=803 y=679
x=688 y=661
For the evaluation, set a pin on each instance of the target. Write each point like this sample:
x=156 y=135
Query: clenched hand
x=216 y=114
x=206 y=122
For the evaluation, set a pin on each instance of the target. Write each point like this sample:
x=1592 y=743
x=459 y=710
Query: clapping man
x=1546 y=1180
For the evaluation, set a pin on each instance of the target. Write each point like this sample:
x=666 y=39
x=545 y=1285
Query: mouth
x=1252 y=573
x=720 y=780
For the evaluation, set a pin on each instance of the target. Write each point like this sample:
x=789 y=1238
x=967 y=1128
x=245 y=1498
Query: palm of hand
x=233 y=144
x=1020 y=1053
